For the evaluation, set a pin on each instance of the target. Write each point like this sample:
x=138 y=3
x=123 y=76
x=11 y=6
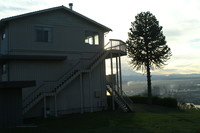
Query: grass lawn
x=146 y=119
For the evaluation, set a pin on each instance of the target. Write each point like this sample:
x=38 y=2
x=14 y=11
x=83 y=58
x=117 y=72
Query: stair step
x=123 y=104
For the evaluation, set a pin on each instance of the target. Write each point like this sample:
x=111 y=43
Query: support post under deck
x=45 y=107
x=55 y=100
x=120 y=75
x=117 y=75
x=81 y=92
x=112 y=79
x=91 y=93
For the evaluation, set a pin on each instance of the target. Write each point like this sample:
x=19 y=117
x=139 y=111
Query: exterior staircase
x=51 y=88
x=124 y=102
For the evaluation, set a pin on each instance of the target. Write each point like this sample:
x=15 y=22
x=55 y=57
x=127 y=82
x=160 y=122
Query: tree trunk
x=149 y=84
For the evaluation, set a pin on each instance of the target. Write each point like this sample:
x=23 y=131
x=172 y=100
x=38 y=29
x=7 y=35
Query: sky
x=179 y=18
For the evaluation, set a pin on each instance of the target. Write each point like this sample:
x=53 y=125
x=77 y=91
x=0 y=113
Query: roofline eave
x=106 y=29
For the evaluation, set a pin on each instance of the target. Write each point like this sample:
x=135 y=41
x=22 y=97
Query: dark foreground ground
x=145 y=119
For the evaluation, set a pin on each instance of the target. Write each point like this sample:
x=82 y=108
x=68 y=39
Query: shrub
x=139 y=99
x=168 y=101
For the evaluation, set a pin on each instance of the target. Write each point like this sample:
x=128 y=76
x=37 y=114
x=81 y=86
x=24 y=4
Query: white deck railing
x=54 y=86
x=115 y=44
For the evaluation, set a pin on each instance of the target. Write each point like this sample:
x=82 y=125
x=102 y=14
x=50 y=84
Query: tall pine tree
x=147 y=46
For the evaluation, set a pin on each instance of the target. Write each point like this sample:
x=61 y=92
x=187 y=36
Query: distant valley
x=184 y=87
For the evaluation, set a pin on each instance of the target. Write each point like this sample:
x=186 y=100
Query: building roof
x=106 y=29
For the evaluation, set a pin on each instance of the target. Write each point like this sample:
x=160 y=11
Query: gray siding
x=4 y=42
x=69 y=100
x=68 y=40
x=68 y=34
x=4 y=50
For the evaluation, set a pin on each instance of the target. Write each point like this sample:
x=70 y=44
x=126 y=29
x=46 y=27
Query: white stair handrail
x=57 y=85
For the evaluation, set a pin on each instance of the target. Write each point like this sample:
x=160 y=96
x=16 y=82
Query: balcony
x=116 y=47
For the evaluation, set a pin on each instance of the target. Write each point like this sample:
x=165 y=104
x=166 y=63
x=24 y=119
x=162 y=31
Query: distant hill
x=134 y=76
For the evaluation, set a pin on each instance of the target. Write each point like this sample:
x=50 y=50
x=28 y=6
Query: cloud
x=13 y=8
x=180 y=21
x=16 y=7
x=10 y=10
x=196 y=40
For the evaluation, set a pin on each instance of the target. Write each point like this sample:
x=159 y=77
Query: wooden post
x=117 y=76
x=81 y=92
x=91 y=93
x=45 y=108
x=111 y=64
x=120 y=75
x=56 y=113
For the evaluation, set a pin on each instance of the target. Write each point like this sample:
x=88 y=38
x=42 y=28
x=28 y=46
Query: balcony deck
x=116 y=48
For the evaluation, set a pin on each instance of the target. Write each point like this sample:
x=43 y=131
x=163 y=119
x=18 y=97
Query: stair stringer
x=125 y=104
x=117 y=99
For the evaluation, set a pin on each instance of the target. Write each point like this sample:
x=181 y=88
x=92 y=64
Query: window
x=43 y=34
x=92 y=38
x=96 y=40
x=3 y=35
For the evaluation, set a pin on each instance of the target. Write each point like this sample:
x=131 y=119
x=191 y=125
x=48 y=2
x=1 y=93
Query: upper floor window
x=92 y=38
x=43 y=34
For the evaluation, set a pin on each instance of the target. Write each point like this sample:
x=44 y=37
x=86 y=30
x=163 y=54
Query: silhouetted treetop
x=146 y=42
